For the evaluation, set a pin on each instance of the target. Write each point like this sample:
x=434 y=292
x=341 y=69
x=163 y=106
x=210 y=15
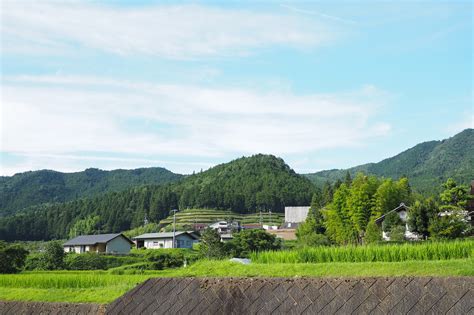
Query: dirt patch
x=20 y=308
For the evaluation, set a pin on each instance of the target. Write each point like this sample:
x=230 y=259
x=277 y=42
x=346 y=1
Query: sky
x=187 y=85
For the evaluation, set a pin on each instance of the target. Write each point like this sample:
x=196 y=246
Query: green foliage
x=420 y=214
x=454 y=195
x=210 y=246
x=86 y=226
x=246 y=185
x=33 y=188
x=12 y=258
x=397 y=233
x=390 y=221
x=373 y=233
x=428 y=164
x=370 y=253
x=53 y=256
x=86 y=261
x=248 y=241
x=162 y=259
x=313 y=239
x=448 y=226
x=149 y=228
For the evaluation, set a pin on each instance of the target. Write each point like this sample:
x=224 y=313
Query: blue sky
x=187 y=85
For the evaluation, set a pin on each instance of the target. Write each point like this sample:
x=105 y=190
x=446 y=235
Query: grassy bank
x=104 y=287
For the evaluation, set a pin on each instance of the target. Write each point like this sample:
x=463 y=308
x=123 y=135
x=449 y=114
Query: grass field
x=384 y=253
x=104 y=287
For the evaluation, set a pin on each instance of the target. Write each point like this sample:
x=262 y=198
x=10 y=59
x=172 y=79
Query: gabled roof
x=162 y=235
x=401 y=207
x=94 y=239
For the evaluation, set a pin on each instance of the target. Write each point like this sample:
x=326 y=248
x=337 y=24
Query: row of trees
x=348 y=215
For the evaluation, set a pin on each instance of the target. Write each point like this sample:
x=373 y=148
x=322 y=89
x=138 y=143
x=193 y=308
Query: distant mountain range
x=246 y=182
x=37 y=187
x=427 y=165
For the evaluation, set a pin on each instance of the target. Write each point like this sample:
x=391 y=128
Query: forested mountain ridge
x=45 y=186
x=243 y=185
x=427 y=164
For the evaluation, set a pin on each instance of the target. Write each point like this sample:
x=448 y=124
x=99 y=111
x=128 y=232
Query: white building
x=295 y=216
x=100 y=243
x=165 y=240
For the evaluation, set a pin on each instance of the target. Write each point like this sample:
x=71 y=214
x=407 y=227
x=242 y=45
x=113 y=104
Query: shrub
x=86 y=261
x=373 y=233
x=12 y=258
x=397 y=233
x=53 y=256
x=34 y=261
x=163 y=259
x=248 y=241
x=313 y=240
x=211 y=246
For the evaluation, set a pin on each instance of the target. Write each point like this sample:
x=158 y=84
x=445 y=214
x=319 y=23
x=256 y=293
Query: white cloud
x=173 y=31
x=61 y=115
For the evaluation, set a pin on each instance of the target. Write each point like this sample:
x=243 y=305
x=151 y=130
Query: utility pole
x=174 y=227
x=270 y=212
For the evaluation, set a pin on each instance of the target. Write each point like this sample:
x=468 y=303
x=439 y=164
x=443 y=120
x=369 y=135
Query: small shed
x=116 y=243
x=165 y=240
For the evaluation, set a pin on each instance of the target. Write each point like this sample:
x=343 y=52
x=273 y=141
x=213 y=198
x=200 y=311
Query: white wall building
x=296 y=214
x=165 y=240
x=101 y=243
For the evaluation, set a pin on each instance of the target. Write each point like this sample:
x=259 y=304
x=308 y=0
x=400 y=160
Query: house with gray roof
x=165 y=240
x=116 y=243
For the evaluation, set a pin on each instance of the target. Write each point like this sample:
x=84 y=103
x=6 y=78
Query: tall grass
x=70 y=280
x=384 y=253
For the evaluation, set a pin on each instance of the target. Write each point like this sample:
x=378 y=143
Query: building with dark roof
x=116 y=243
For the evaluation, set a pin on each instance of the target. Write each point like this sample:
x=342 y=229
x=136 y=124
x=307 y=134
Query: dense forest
x=33 y=188
x=243 y=185
x=428 y=165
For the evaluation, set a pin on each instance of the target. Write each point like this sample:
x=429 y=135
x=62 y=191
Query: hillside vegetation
x=427 y=165
x=245 y=185
x=33 y=188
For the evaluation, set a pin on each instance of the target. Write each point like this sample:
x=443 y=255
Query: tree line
x=345 y=213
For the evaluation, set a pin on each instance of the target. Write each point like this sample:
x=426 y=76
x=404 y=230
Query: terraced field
x=189 y=217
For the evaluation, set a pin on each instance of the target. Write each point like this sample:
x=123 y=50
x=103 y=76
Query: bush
x=53 y=256
x=34 y=262
x=248 y=241
x=313 y=240
x=163 y=259
x=211 y=246
x=373 y=233
x=397 y=233
x=12 y=258
x=86 y=261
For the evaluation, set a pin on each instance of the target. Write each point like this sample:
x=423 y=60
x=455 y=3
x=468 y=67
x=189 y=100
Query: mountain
x=33 y=188
x=427 y=165
x=244 y=185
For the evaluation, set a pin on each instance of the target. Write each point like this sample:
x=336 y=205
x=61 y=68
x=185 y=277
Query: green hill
x=427 y=165
x=244 y=186
x=33 y=188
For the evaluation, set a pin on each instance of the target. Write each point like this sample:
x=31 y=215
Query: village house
x=165 y=240
x=101 y=243
x=402 y=211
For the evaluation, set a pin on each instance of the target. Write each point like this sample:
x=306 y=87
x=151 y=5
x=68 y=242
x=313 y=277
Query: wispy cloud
x=172 y=31
x=64 y=114
x=316 y=13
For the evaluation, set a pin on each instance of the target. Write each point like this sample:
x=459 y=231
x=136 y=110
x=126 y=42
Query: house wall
x=118 y=245
x=183 y=241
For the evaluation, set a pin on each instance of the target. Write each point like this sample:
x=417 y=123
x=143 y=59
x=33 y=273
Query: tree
x=373 y=233
x=211 y=246
x=451 y=221
x=348 y=179
x=454 y=195
x=53 y=256
x=248 y=241
x=420 y=214
x=86 y=226
x=390 y=221
x=12 y=258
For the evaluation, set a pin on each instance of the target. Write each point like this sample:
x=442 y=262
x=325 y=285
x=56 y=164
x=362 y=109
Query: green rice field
x=381 y=253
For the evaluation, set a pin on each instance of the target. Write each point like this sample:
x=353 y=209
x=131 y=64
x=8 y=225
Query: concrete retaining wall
x=299 y=296
x=19 y=308
x=410 y=295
